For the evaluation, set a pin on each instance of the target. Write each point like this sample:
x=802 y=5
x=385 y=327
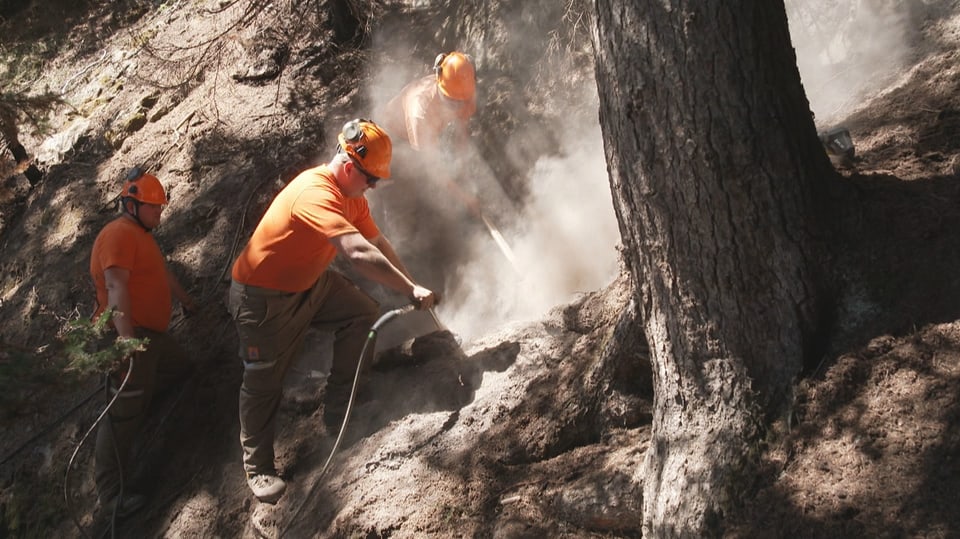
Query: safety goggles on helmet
x=135 y=174
x=369 y=147
x=353 y=134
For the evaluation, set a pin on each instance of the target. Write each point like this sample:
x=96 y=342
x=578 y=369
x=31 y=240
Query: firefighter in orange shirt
x=282 y=285
x=132 y=278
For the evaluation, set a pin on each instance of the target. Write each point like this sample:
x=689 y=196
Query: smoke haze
x=564 y=243
x=528 y=259
x=564 y=240
x=846 y=50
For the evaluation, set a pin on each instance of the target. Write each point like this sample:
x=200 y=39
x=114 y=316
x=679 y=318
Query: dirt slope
x=532 y=429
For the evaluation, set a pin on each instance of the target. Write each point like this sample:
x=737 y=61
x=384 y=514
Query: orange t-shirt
x=123 y=243
x=290 y=249
x=419 y=114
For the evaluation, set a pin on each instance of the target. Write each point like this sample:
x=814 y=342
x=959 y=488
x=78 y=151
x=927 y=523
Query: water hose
x=369 y=344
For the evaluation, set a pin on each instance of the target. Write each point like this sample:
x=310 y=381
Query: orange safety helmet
x=456 y=76
x=143 y=187
x=368 y=145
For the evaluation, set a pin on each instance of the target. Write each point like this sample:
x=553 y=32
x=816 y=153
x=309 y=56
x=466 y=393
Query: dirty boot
x=266 y=487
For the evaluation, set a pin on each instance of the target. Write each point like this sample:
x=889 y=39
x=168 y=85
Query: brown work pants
x=160 y=366
x=271 y=325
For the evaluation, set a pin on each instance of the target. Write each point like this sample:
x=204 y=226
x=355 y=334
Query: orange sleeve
x=422 y=114
x=365 y=223
x=324 y=209
x=116 y=250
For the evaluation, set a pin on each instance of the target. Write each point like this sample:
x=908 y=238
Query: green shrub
x=86 y=349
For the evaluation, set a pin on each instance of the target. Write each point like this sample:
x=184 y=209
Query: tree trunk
x=716 y=173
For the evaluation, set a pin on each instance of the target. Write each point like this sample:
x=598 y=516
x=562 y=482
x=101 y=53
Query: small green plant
x=85 y=348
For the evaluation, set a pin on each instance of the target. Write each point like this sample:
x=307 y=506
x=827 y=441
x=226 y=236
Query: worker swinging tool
x=282 y=286
x=430 y=117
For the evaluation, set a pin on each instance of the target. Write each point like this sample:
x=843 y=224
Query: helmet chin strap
x=136 y=213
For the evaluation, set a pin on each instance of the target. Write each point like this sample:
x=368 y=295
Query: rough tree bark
x=717 y=175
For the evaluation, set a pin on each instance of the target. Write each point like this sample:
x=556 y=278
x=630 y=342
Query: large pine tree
x=717 y=174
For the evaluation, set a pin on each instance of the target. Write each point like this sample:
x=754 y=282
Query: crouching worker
x=282 y=286
x=427 y=107
x=132 y=278
x=430 y=121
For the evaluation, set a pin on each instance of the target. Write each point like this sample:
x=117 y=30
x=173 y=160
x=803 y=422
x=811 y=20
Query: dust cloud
x=846 y=50
x=515 y=261
x=562 y=243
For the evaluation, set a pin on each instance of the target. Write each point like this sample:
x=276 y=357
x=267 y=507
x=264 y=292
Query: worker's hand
x=424 y=298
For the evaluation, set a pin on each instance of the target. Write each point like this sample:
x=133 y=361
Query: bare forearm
x=373 y=264
x=118 y=299
x=388 y=251
x=376 y=266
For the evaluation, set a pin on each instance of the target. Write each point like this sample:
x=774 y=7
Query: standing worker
x=282 y=286
x=132 y=278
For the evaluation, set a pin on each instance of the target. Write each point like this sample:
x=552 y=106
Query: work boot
x=266 y=487
x=129 y=504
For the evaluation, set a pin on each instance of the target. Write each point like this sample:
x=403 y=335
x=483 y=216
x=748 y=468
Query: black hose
x=386 y=317
x=369 y=344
